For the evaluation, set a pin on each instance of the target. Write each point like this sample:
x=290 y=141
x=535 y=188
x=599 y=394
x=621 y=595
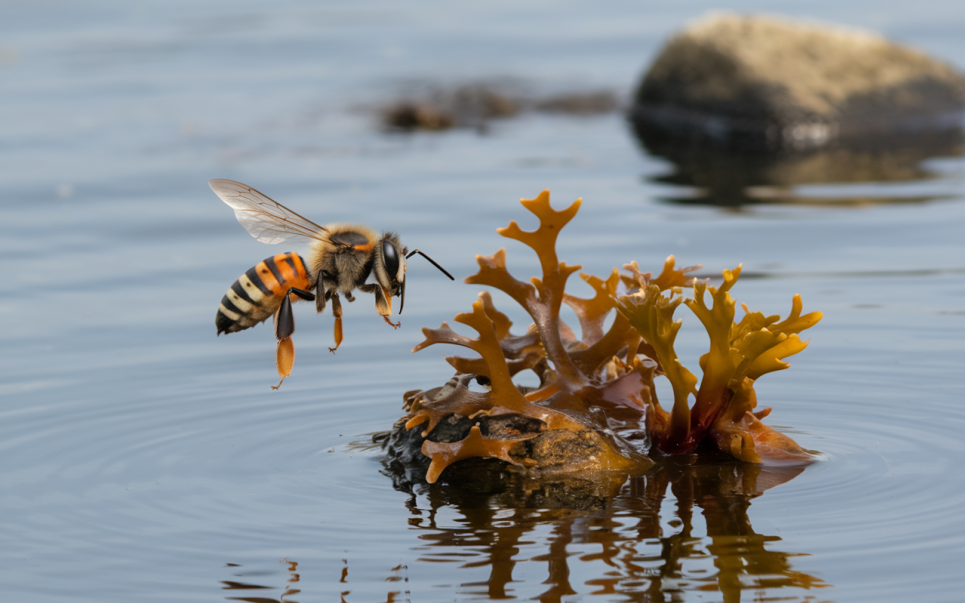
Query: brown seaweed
x=599 y=387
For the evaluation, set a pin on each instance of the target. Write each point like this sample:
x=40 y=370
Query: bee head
x=390 y=257
x=389 y=264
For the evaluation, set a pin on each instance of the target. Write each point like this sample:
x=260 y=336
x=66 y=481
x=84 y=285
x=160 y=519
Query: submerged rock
x=760 y=82
x=475 y=105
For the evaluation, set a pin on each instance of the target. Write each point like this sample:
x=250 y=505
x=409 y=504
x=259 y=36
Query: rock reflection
x=729 y=178
x=622 y=548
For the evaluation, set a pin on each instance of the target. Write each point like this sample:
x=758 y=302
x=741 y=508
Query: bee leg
x=320 y=297
x=284 y=319
x=284 y=359
x=383 y=303
x=302 y=294
x=337 y=313
x=349 y=296
x=284 y=328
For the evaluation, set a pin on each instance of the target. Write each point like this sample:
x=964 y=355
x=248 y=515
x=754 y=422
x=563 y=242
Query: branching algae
x=596 y=406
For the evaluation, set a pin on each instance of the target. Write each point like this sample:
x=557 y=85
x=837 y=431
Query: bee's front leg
x=383 y=303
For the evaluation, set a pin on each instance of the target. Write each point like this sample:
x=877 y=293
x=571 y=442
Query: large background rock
x=763 y=82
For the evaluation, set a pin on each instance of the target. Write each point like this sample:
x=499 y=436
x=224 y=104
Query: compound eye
x=391 y=256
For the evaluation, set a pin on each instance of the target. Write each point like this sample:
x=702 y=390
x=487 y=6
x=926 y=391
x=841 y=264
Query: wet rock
x=511 y=485
x=760 y=82
x=535 y=451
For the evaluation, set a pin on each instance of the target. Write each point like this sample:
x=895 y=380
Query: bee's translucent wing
x=266 y=220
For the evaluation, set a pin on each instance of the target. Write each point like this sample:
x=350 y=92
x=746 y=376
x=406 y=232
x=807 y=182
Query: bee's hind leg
x=284 y=319
x=284 y=328
x=337 y=313
x=284 y=359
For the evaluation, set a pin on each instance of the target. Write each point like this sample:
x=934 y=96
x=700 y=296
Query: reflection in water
x=394 y=595
x=631 y=556
x=729 y=178
x=289 y=590
x=619 y=545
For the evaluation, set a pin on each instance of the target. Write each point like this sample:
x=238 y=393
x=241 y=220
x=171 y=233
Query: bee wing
x=266 y=220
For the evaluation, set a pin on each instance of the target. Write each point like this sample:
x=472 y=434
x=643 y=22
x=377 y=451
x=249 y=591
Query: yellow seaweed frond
x=672 y=277
x=651 y=312
x=669 y=278
x=759 y=343
x=739 y=354
x=718 y=364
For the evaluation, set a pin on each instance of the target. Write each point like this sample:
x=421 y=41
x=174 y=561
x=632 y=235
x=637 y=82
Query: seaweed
x=600 y=386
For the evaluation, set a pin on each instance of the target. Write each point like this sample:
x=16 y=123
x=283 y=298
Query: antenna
x=431 y=261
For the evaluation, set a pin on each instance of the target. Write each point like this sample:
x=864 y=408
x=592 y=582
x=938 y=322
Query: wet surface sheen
x=143 y=458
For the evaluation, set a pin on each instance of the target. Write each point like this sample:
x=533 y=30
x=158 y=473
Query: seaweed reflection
x=289 y=590
x=619 y=546
x=396 y=575
x=732 y=178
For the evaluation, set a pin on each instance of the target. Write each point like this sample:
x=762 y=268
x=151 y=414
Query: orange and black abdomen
x=256 y=295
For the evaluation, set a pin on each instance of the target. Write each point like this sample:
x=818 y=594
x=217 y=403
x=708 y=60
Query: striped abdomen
x=256 y=295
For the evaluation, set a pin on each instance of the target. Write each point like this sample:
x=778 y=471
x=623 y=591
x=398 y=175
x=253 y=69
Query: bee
x=342 y=258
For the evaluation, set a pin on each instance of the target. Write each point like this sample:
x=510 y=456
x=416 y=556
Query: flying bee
x=343 y=258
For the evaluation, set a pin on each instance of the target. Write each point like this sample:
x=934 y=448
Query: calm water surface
x=142 y=458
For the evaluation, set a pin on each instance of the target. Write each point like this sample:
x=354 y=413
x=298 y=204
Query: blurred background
x=143 y=458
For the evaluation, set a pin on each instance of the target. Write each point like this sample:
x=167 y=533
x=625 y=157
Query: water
x=142 y=458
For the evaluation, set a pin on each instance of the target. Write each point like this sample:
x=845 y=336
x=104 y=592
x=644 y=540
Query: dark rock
x=408 y=115
x=441 y=108
x=554 y=468
x=550 y=451
x=474 y=105
x=759 y=82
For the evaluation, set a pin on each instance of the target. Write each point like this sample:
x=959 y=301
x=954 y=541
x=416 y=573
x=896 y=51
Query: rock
x=533 y=450
x=760 y=82
x=555 y=485
x=441 y=108
x=474 y=105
